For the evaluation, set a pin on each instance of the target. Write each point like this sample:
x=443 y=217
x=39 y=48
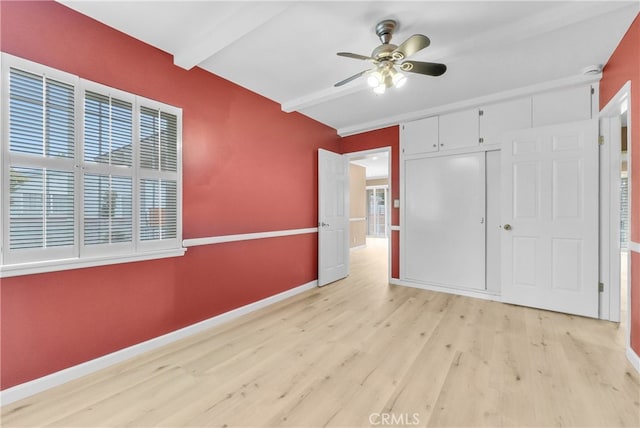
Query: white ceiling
x=376 y=164
x=286 y=51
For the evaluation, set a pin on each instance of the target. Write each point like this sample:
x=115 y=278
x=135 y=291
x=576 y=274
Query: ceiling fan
x=387 y=57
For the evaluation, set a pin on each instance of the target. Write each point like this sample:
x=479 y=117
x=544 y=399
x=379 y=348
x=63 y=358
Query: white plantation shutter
x=41 y=151
x=108 y=130
x=624 y=212
x=88 y=171
x=41 y=208
x=158 y=214
x=42 y=114
x=158 y=175
x=158 y=140
x=108 y=173
x=108 y=214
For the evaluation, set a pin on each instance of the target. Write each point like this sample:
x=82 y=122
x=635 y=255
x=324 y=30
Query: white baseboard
x=30 y=388
x=633 y=358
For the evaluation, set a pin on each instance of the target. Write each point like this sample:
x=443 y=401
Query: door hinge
x=481 y=140
x=600 y=287
x=480 y=112
x=593 y=90
x=601 y=140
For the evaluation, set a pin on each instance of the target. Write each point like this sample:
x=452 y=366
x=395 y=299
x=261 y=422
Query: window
x=90 y=174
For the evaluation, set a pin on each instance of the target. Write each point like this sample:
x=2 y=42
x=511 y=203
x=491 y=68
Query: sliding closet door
x=444 y=221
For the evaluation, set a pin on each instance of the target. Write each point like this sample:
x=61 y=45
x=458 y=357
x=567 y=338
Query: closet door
x=444 y=221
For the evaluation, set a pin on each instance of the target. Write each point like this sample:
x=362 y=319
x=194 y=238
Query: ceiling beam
x=324 y=95
x=226 y=29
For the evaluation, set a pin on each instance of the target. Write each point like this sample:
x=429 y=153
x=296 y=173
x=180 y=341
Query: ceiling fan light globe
x=374 y=79
x=399 y=80
x=380 y=89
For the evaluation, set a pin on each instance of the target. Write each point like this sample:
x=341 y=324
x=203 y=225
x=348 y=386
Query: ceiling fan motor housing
x=383 y=51
x=384 y=30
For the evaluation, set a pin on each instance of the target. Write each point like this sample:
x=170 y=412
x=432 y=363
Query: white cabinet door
x=459 y=129
x=443 y=234
x=506 y=116
x=562 y=106
x=419 y=136
x=550 y=214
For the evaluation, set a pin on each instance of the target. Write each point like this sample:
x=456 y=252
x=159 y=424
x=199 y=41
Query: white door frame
x=610 y=210
x=390 y=228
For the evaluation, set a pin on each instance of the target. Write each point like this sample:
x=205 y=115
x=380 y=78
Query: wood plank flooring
x=360 y=352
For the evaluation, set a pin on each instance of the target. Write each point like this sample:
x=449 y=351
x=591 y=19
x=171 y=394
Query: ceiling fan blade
x=428 y=68
x=355 y=56
x=349 y=79
x=410 y=46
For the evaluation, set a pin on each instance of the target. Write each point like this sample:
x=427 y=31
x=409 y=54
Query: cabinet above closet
x=419 y=136
x=459 y=129
x=483 y=126
x=495 y=119
x=567 y=105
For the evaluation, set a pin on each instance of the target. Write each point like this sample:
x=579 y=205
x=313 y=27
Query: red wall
x=386 y=137
x=247 y=167
x=624 y=66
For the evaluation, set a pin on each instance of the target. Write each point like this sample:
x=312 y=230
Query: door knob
x=507 y=227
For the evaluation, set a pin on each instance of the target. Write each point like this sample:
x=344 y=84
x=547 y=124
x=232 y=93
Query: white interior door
x=333 y=217
x=550 y=218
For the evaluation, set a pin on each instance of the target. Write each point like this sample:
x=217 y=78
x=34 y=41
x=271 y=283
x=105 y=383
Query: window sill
x=76 y=263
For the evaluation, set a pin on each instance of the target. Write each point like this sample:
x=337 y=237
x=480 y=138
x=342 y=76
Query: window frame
x=79 y=255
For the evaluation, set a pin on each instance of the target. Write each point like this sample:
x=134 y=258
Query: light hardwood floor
x=360 y=352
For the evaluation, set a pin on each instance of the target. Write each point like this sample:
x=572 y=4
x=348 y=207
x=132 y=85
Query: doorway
x=624 y=209
x=370 y=206
x=615 y=158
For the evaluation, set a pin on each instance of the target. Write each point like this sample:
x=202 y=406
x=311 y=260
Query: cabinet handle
x=435 y=145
